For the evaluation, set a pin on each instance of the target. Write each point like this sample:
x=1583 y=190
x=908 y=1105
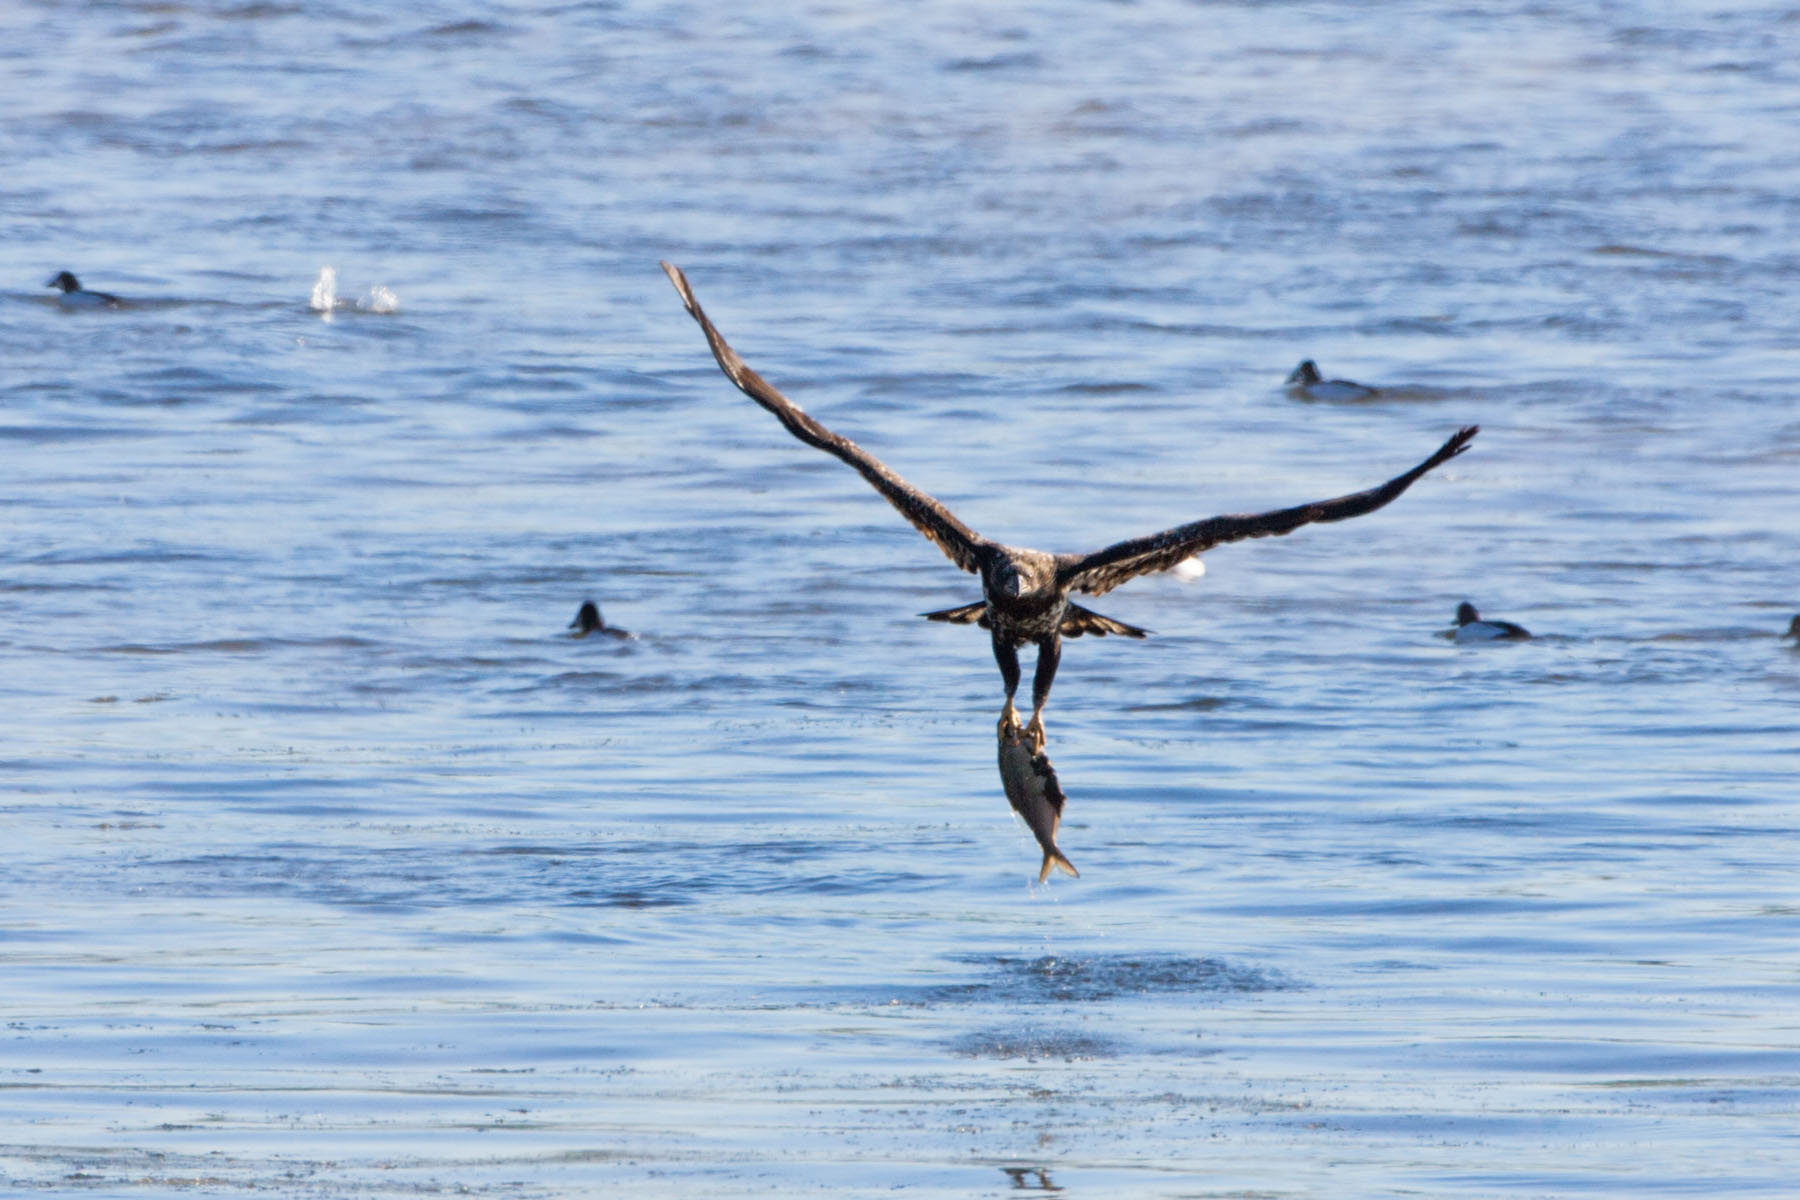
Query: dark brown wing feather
x=1106 y=569
x=927 y=515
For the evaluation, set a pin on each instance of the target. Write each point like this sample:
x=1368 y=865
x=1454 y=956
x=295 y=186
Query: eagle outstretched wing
x=929 y=517
x=1104 y=570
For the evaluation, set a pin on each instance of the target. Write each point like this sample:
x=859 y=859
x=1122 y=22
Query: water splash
x=326 y=302
x=324 y=292
x=381 y=299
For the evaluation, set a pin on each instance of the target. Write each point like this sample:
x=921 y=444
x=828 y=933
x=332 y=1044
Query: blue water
x=334 y=867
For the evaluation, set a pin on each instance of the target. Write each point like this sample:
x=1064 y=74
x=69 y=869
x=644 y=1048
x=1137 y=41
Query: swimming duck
x=1471 y=628
x=1307 y=380
x=76 y=296
x=588 y=620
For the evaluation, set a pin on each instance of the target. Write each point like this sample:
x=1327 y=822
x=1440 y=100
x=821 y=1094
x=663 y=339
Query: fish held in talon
x=1306 y=380
x=588 y=620
x=73 y=295
x=1034 y=793
x=1025 y=593
x=1471 y=628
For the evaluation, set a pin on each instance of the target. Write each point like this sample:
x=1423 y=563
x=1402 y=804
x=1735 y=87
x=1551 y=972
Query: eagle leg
x=1008 y=657
x=1049 y=655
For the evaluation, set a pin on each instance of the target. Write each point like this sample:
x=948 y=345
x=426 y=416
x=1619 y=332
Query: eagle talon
x=1009 y=723
x=1034 y=733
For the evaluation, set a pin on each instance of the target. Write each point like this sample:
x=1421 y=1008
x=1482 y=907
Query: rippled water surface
x=334 y=867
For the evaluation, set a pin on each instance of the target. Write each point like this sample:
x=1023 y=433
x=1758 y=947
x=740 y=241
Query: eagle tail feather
x=1085 y=620
x=968 y=614
x=1076 y=621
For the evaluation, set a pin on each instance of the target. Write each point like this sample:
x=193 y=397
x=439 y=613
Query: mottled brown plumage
x=1025 y=593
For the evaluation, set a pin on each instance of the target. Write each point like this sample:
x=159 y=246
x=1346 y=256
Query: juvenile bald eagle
x=1025 y=593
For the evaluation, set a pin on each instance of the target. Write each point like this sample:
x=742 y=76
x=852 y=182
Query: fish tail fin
x=1079 y=620
x=968 y=614
x=1054 y=858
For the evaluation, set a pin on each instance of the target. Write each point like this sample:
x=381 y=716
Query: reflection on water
x=337 y=867
x=1030 y=1179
